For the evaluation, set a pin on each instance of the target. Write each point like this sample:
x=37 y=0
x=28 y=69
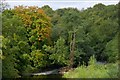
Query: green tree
x=48 y=11
x=100 y=24
x=15 y=45
x=111 y=49
x=71 y=22
x=59 y=52
x=38 y=27
x=8 y=62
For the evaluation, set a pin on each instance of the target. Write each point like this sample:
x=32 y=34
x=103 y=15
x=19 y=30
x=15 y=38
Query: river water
x=47 y=74
x=40 y=77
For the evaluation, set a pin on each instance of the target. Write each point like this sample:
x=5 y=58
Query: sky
x=56 y=4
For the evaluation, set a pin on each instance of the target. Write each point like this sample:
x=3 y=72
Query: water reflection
x=41 y=77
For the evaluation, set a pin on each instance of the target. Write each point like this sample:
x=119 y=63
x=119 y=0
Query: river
x=47 y=74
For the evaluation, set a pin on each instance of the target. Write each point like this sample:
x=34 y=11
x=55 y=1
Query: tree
x=111 y=49
x=71 y=23
x=8 y=62
x=15 y=45
x=100 y=23
x=38 y=27
x=37 y=24
x=3 y=6
x=59 y=52
x=48 y=11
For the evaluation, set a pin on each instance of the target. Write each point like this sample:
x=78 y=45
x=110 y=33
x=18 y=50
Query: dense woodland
x=36 y=38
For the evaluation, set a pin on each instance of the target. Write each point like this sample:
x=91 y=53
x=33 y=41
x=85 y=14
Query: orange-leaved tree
x=37 y=24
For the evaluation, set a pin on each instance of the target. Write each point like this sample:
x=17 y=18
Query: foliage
x=48 y=11
x=37 y=58
x=14 y=43
x=70 y=21
x=9 y=64
x=111 y=49
x=100 y=24
x=113 y=69
x=31 y=40
x=92 y=60
x=59 y=52
x=93 y=71
x=37 y=24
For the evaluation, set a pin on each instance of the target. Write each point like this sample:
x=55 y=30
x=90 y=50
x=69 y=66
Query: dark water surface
x=44 y=77
x=47 y=73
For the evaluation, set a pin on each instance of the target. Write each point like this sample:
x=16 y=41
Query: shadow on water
x=43 y=77
x=49 y=76
x=46 y=73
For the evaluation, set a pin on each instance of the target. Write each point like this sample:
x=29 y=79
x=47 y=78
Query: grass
x=94 y=70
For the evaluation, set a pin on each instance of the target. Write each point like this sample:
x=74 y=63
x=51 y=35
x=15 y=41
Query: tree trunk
x=72 y=47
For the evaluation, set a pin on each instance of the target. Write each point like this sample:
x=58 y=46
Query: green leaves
x=71 y=19
x=93 y=71
x=28 y=43
x=59 y=52
x=37 y=57
x=111 y=49
x=14 y=45
x=92 y=60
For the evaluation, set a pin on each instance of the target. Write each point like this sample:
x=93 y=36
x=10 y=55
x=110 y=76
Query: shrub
x=93 y=71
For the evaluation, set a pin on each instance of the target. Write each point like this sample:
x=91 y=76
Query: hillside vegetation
x=36 y=38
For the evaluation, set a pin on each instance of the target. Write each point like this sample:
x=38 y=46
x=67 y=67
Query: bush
x=112 y=70
x=93 y=71
x=59 y=52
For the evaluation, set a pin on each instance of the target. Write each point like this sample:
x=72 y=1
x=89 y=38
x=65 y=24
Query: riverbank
x=109 y=70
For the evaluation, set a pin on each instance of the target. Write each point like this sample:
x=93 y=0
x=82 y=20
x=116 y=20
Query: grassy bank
x=94 y=70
